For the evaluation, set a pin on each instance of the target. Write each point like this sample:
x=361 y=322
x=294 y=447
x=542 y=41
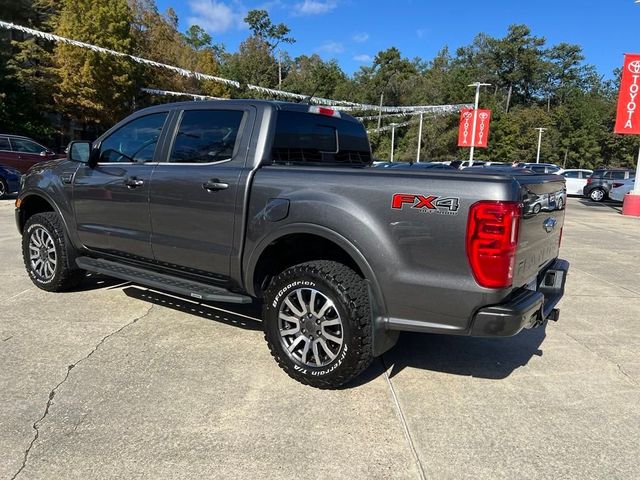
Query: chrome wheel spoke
x=305 y=351
x=332 y=338
x=326 y=348
x=301 y=301
x=296 y=311
x=328 y=304
x=295 y=343
x=42 y=253
x=316 y=353
x=331 y=323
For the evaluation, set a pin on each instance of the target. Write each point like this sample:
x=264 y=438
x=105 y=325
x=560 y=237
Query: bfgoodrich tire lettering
x=44 y=238
x=331 y=298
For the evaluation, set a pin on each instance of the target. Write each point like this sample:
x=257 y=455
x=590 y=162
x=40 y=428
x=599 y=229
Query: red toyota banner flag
x=628 y=115
x=466 y=128
x=466 y=125
x=482 y=128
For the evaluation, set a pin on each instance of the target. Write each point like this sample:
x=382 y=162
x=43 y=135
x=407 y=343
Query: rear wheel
x=47 y=254
x=597 y=195
x=317 y=323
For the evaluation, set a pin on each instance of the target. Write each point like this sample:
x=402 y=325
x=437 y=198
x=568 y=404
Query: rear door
x=194 y=195
x=7 y=157
x=574 y=182
x=28 y=153
x=111 y=199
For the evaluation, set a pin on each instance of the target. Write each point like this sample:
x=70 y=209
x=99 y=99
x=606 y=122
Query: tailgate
x=543 y=202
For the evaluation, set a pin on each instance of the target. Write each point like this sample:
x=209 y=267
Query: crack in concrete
x=52 y=393
x=8 y=338
x=403 y=421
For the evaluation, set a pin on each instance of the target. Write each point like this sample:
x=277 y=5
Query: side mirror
x=79 y=151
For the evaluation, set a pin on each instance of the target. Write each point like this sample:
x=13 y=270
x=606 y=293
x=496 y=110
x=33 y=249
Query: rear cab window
x=303 y=138
x=4 y=144
x=206 y=136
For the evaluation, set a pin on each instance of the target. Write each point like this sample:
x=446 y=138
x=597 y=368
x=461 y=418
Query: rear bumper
x=524 y=308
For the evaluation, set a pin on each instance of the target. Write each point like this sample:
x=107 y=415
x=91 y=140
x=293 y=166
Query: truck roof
x=279 y=105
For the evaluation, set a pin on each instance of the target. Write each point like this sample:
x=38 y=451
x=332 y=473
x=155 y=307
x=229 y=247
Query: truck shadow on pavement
x=242 y=316
x=489 y=358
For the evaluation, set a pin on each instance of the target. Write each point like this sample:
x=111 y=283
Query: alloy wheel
x=42 y=253
x=310 y=326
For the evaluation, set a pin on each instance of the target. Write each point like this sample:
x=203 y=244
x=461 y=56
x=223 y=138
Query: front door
x=194 y=195
x=111 y=199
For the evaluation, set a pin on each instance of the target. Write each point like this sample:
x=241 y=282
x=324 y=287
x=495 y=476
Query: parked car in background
x=22 y=153
x=576 y=179
x=542 y=167
x=600 y=182
x=620 y=189
x=9 y=181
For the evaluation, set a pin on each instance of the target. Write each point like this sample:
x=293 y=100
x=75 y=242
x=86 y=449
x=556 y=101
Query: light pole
x=540 y=130
x=393 y=138
x=477 y=85
x=420 y=136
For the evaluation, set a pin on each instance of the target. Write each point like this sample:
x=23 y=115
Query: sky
x=353 y=31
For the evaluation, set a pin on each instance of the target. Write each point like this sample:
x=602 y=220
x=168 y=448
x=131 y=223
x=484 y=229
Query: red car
x=22 y=153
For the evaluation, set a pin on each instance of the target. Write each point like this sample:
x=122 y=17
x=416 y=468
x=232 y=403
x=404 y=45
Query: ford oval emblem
x=549 y=224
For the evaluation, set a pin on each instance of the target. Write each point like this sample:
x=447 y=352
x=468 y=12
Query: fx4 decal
x=426 y=203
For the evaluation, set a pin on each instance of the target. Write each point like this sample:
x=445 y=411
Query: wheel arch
x=258 y=268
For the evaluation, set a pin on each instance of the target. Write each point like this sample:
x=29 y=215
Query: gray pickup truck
x=243 y=201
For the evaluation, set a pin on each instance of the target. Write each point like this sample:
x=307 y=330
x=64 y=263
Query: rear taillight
x=492 y=238
x=589 y=180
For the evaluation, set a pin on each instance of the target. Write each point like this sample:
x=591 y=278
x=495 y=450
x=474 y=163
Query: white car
x=620 y=188
x=576 y=179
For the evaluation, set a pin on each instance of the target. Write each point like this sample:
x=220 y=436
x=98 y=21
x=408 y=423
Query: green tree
x=266 y=31
x=95 y=88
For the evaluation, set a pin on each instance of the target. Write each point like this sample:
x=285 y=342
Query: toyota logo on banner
x=634 y=67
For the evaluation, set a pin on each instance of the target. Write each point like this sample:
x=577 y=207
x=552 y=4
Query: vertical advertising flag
x=482 y=128
x=465 y=129
x=628 y=112
x=466 y=125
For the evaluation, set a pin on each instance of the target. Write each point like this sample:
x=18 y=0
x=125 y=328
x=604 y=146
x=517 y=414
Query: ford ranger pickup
x=243 y=201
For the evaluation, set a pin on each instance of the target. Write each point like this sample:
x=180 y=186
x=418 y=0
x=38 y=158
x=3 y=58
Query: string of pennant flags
x=341 y=104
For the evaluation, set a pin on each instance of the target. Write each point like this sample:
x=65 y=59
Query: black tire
x=597 y=195
x=4 y=188
x=66 y=275
x=349 y=294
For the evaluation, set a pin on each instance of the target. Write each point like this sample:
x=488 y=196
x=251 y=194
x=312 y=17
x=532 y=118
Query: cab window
x=134 y=142
x=206 y=136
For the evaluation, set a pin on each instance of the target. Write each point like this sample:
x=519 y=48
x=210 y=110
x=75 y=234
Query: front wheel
x=47 y=254
x=317 y=323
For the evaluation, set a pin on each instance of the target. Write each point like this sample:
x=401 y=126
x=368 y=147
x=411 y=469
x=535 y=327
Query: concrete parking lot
x=116 y=381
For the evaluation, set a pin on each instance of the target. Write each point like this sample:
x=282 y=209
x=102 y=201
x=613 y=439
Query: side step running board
x=160 y=281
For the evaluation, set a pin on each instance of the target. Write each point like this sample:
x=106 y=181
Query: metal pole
x=380 y=111
x=540 y=130
x=636 y=183
x=419 y=138
x=475 y=117
x=279 y=69
x=393 y=139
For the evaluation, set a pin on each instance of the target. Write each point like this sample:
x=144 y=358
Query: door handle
x=214 y=185
x=133 y=182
